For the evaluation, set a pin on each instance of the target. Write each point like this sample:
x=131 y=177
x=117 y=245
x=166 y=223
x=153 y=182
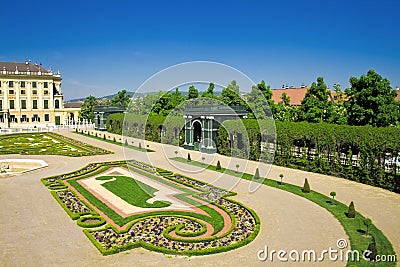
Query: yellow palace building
x=31 y=97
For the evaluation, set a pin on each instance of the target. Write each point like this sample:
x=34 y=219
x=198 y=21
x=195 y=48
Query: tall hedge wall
x=153 y=128
x=357 y=153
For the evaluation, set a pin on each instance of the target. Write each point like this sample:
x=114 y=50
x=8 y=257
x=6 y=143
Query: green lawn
x=354 y=227
x=212 y=217
x=46 y=144
x=132 y=191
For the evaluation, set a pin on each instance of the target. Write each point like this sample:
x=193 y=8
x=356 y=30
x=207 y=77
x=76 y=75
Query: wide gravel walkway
x=36 y=231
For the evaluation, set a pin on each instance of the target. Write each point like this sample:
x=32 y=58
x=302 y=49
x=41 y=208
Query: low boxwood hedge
x=91 y=221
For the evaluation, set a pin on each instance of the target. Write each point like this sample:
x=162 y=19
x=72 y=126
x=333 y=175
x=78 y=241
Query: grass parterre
x=215 y=224
x=46 y=144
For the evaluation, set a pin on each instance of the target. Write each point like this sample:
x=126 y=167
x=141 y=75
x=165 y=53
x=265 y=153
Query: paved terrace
x=36 y=231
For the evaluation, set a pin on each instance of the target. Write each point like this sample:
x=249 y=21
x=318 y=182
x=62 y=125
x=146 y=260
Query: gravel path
x=36 y=231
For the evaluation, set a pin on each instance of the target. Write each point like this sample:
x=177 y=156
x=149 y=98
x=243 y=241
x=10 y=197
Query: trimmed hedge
x=73 y=215
x=85 y=221
x=316 y=147
x=324 y=148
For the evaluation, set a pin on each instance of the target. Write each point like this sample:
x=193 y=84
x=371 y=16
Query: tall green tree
x=283 y=111
x=87 y=108
x=285 y=99
x=339 y=113
x=145 y=104
x=316 y=105
x=121 y=99
x=231 y=95
x=193 y=92
x=209 y=93
x=371 y=100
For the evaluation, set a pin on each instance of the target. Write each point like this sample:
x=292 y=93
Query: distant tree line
x=370 y=100
x=351 y=137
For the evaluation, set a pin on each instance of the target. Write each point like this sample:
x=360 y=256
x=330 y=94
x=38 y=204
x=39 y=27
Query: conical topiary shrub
x=373 y=250
x=140 y=145
x=257 y=175
x=218 y=166
x=188 y=157
x=306 y=187
x=351 y=213
x=114 y=140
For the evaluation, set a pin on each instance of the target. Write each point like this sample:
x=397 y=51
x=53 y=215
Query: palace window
x=24 y=118
x=23 y=92
x=1 y=105
x=23 y=104
x=23 y=84
x=35 y=118
x=46 y=85
x=34 y=84
x=13 y=118
x=11 y=92
x=34 y=92
x=46 y=117
x=46 y=104
x=46 y=92
x=57 y=103
x=34 y=104
x=10 y=84
x=12 y=104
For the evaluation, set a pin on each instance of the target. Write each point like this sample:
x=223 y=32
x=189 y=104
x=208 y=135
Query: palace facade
x=31 y=96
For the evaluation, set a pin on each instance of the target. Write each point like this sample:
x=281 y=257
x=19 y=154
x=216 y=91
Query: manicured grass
x=213 y=217
x=352 y=226
x=116 y=142
x=46 y=144
x=191 y=189
x=132 y=191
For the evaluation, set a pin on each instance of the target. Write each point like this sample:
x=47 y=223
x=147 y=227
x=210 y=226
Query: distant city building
x=31 y=96
x=296 y=95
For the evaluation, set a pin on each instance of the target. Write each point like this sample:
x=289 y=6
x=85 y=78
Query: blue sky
x=101 y=47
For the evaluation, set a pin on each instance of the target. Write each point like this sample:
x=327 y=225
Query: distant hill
x=106 y=97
